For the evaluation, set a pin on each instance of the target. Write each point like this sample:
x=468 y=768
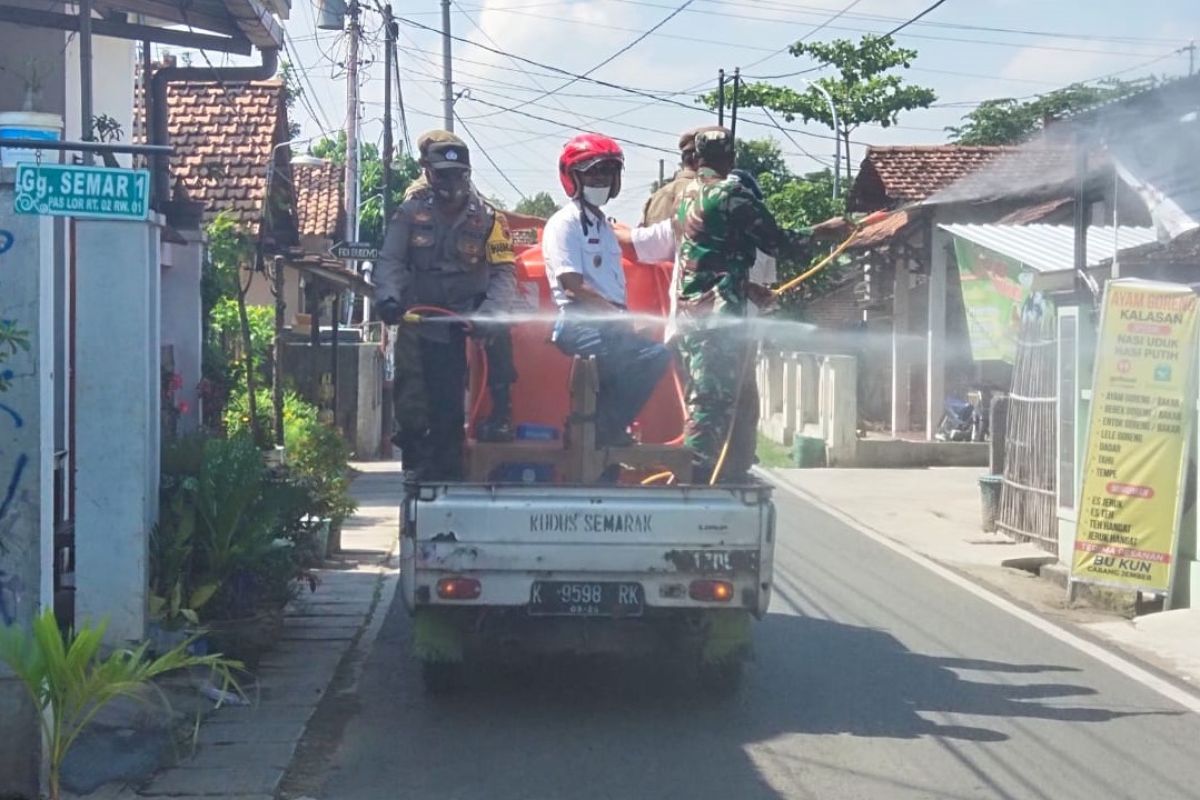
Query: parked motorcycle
x=966 y=420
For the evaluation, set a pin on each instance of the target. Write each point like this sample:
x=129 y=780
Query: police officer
x=664 y=203
x=449 y=249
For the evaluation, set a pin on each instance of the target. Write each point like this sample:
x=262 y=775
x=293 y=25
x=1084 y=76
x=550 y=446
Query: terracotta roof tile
x=224 y=135
x=1037 y=170
x=318 y=192
x=893 y=176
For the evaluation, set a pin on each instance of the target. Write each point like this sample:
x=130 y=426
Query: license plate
x=586 y=599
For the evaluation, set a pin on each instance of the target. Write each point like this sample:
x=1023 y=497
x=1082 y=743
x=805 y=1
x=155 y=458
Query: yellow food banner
x=1138 y=432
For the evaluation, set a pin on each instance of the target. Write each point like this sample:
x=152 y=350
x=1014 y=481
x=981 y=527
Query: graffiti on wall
x=6 y=241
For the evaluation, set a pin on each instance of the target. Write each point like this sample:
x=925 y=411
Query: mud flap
x=437 y=637
x=728 y=637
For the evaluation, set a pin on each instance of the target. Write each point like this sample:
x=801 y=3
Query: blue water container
x=530 y=432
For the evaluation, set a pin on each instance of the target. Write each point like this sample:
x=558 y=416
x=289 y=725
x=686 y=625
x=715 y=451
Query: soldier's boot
x=498 y=426
x=415 y=453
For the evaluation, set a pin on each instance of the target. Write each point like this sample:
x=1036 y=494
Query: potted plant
x=70 y=681
x=240 y=515
x=28 y=122
x=179 y=589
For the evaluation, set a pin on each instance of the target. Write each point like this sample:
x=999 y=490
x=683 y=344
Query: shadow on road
x=593 y=729
x=864 y=682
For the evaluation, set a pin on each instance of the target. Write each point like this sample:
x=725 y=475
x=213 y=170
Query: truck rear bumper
x=666 y=591
x=510 y=634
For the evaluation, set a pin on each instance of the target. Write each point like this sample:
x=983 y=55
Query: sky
x=520 y=114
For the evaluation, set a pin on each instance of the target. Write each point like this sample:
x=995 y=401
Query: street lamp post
x=837 y=137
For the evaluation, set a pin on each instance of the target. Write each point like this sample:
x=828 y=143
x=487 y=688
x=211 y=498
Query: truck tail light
x=711 y=591
x=459 y=588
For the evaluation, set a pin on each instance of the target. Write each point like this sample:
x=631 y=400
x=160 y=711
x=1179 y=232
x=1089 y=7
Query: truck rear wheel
x=441 y=678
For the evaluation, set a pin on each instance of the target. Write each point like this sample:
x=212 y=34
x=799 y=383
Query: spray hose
x=416 y=316
x=778 y=291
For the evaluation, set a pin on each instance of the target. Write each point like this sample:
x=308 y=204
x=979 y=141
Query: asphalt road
x=874 y=678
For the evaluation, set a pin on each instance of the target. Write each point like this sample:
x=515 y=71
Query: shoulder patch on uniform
x=499 y=243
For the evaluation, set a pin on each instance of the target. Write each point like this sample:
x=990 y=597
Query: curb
x=245 y=752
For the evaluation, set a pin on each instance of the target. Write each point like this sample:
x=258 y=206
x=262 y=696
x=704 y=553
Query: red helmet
x=584 y=152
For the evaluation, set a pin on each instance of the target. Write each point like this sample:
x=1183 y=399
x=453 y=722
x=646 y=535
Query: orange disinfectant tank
x=540 y=397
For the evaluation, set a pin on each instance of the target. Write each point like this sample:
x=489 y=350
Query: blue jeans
x=629 y=366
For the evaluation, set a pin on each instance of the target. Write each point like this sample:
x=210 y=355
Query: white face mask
x=596 y=195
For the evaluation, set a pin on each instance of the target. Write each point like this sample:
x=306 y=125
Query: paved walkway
x=242 y=752
x=934 y=511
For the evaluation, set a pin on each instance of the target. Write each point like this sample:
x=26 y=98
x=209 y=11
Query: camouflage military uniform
x=460 y=261
x=720 y=226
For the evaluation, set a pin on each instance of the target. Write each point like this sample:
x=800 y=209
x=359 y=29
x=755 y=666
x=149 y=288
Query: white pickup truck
x=532 y=569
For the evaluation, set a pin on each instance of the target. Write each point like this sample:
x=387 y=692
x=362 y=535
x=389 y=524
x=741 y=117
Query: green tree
x=540 y=205
x=865 y=89
x=762 y=157
x=405 y=170
x=801 y=202
x=292 y=91
x=1009 y=120
x=233 y=250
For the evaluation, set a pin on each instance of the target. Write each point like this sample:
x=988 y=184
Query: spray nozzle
x=412 y=318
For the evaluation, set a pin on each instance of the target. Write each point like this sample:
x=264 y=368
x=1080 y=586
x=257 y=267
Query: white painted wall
x=117 y=420
x=181 y=323
x=114 y=63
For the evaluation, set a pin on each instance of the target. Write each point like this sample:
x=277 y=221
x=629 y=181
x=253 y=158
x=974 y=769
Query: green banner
x=994 y=288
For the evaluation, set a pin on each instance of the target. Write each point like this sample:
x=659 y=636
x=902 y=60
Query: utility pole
x=1191 y=48
x=388 y=59
x=85 y=75
x=733 y=109
x=352 y=111
x=447 y=71
x=277 y=356
x=662 y=172
x=721 y=97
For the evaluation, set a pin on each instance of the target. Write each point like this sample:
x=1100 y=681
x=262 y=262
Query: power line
x=436 y=79
x=305 y=99
x=569 y=126
x=559 y=70
x=976 y=103
x=812 y=32
x=494 y=43
x=488 y=156
x=917 y=18
x=798 y=146
x=625 y=49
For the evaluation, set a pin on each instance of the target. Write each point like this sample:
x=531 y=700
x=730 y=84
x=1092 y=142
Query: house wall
x=26 y=467
x=181 y=321
x=114 y=63
x=260 y=294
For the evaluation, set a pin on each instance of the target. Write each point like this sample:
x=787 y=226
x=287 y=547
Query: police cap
x=443 y=150
x=687 y=141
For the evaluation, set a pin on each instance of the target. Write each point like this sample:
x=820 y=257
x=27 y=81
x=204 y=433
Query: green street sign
x=66 y=190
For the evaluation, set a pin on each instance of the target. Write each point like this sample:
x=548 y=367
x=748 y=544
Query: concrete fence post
x=810 y=389
x=791 y=401
x=841 y=409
